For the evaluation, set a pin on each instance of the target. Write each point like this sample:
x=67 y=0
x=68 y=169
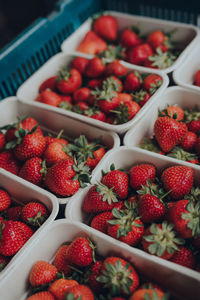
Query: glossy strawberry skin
x=80 y=63
x=2 y=140
x=60 y=260
x=94 y=272
x=150 y=208
x=14 y=213
x=5 y=200
x=42 y=272
x=54 y=153
x=9 y=162
x=197 y=78
x=100 y=221
x=138 y=54
x=49 y=83
x=92 y=43
x=98 y=155
x=116 y=68
x=31 y=210
x=95 y=68
x=140 y=173
x=31 y=170
x=184 y=257
x=49 y=97
x=59 y=178
x=60 y=286
x=106 y=26
x=189 y=141
x=45 y=295
x=129 y=38
x=81 y=292
x=132 y=82
x=70 y=83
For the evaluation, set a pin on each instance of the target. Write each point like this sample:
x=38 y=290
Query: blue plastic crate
x=43 y=38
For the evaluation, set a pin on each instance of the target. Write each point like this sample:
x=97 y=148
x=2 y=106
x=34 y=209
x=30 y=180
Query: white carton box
x=11 y=108
x=22 y=192
x=125 y=157
x=29 y=91
x=184 y=98
x=184 y=74
x=177 y=281
x=184 y=37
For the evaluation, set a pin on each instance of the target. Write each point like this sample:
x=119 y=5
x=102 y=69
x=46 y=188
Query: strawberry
x=68 y=81
x=3 y=262
x=60 y=286
x=14 y=213
x=80 y=107
x=60 y=260
x=95 y=68
x=97 y=156
x=60 y=178
x=126 y=283
x=197 y=78
x=45 y=295
x=100 y=221
x=80 y=63
x=160 y=59
x=81 y=94
x=2 y=140
x=184 y=257
x=95 y=83
x=49 y=83
x=128 y=38
x=185 y=215
x=124 y=97
x=179 y=153
x=106 y=27
x=94 y=272
x=125 y=112
x=49 y=97
x=42 y=273
x=141 y=97
x=192 y=119
x=178 y=180
x=125 y=226
x=189 y=141
x=79 y=292
x=132 y=82
x=33 y=170
x=50 y=139
x=150 y=208
x=9 y=162
x=152 y=82
x=169 y=132
x=173 y=111
x=117 y=180
x=81 y=252
x=156 y=38
x=112 y=52
x=144 y=293
x=99 y=198
x=138 y=54
x=140 y=173
x=13 y=237
x=5 y=200
x=95 y=113
x=160 y=240
x=55 y=152
x=116 y=68
x=150 y=144
x=34 y=213
x=109 y=102
x=92 y=43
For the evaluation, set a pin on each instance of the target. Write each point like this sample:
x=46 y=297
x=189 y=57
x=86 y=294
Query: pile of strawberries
x=107 y=92
x=54 y=163
x=155 y=210
x=176 y=134
x=18 y=222
x=79 y=272
x=155 y=50
x=197 y=78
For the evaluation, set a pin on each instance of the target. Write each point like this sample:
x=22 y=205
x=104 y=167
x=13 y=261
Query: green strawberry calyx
x=193 y=217
x=108 y=194
x=161 y=59
x=82 y=172
x=179 y=153
x=108 y=91
x=121 y=114
x=163 y=239
x=111 y=53
x=63 y=74
x=37 y=220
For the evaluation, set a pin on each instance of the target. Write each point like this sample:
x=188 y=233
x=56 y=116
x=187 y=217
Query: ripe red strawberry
x=9 y=162
x=169 y=132
x=125 y=284
x=80 y=63
x=132 y=82
x=29 y=123
x=156 y=38
x=33 y=170
x=116 y=68
x=34 y=213
x=55 y=152
x=125 y=226
x=197 y=78
x=30 y=145
x=152 y=82
x=5 y=200
x=68 y=81
x=92 y=43
x=60 y=178
x=81 y=252
x=14 y=213
x=125 y=112
x=138 y=54
x=178 y=180
x=60 y=260
x=41 y=273
x=45 y=295
x=100 y=221
x=106 y=27
x=50 y=139
x=184 y=257
x=13 y=237
x=150 y=208
x=95 y=68
x=189 y=141
x=174 y=112
x=49 y=97
x=94 y=272
x=2 y=140
x=128 y=38
x=185 y=215
x=95 y=113
x=97 y=156
x=124 y=97
x=118 y=181
x=108 y=103
x=99 y=198
x=81 y=94
x=161 y=240
x=60 y=286
x=3 y=262
x=140 y=173
x=49 y=83
x=80 y=292
x=148 y=293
